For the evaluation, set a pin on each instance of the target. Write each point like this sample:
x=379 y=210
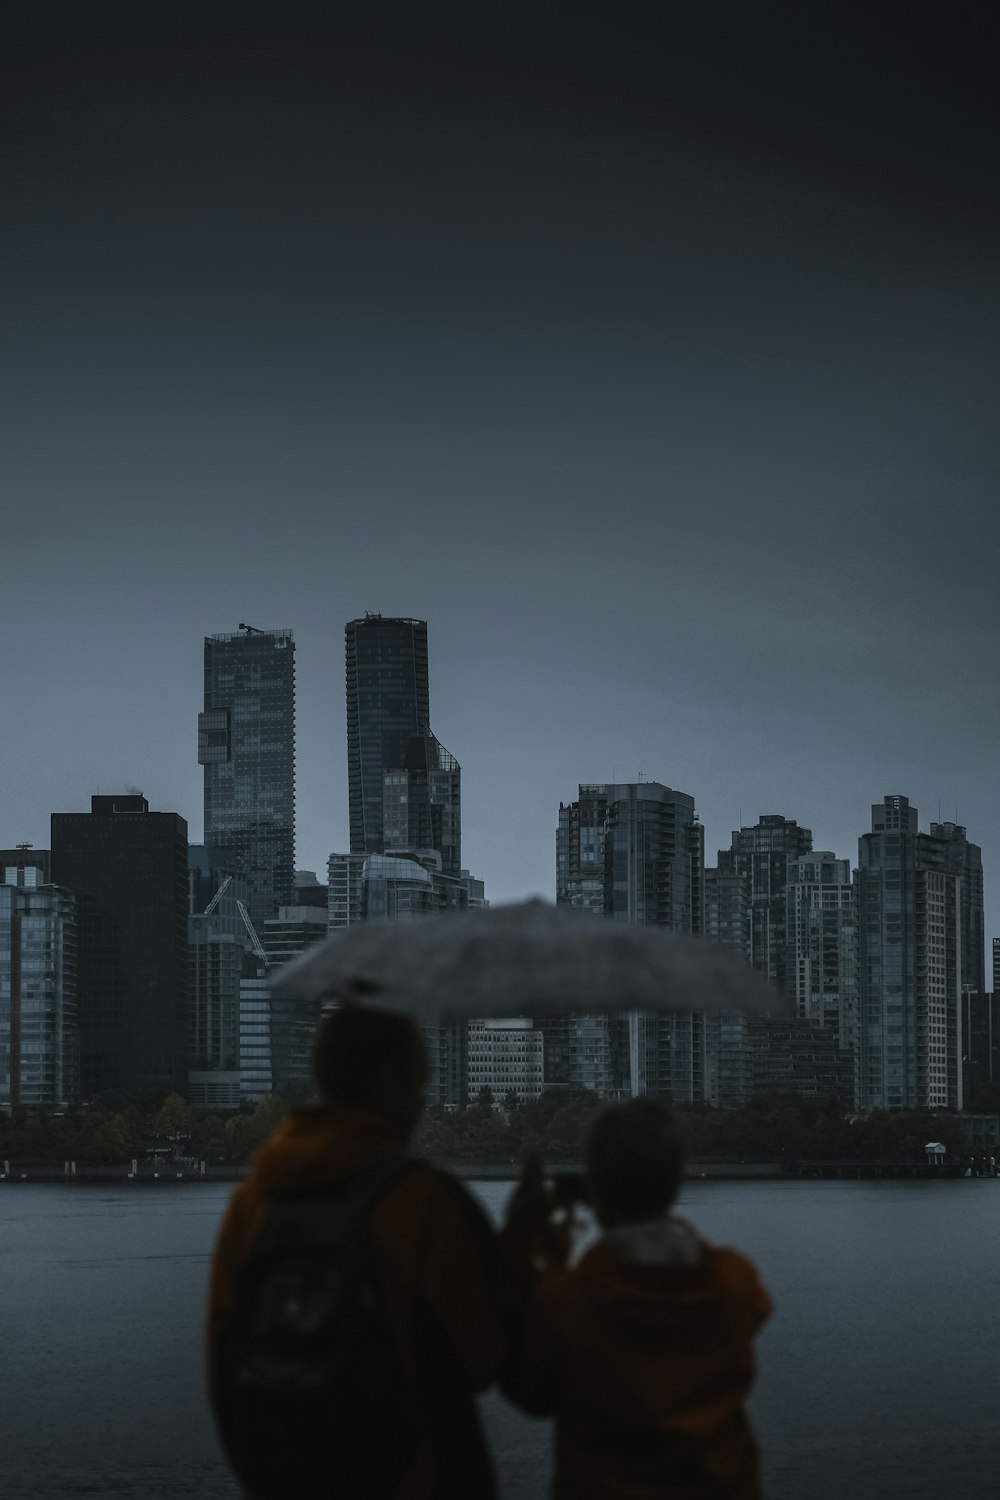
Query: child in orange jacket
x=644 y=1350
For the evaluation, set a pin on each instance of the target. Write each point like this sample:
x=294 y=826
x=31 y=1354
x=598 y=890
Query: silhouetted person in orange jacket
x=435 y=1254
x=644 y=1350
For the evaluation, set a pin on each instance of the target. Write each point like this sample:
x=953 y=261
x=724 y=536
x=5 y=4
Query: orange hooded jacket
x=644 y=1352
x=437 y=1266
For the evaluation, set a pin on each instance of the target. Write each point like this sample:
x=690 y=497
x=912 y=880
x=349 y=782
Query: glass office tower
x=388 y=704
x=246 y=743
x=405 y=799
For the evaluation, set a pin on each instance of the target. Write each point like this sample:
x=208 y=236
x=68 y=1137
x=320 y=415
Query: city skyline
x=654 y=363
x=311 y=853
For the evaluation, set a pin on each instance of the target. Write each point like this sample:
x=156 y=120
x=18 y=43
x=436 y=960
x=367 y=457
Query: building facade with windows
x=761 y=854
x=795 y=1056
x=246 y=744
x=345 y=888
x=39 y=1054
x=727 y=909
x=980 y=1048
x=821 y=932
x=404 y=787
x=128 y=870
x=219 y=940
x=631 y=852
x=507 y=1058
x=26 y=857
x=405 y=801
x=388 y=704
x=957 y=854
x=256 y=1072
x=910 y=965
x=293 y=1019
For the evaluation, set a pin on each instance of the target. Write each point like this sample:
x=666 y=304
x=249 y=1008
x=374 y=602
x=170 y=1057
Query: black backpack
x=314 y=1401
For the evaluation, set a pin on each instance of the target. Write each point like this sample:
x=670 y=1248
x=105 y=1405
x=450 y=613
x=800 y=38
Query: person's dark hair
x=352 y=1047
x=635 y=1159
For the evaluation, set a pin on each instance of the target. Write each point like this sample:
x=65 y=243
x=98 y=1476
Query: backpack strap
x=309 y=1219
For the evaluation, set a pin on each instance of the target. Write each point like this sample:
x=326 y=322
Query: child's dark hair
x=354 y=1044
x=635 y=1159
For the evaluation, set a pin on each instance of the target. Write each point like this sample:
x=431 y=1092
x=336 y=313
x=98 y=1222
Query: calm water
x=880 y=1373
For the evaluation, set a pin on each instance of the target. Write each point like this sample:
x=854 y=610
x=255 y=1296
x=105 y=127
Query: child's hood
x=663 y=1274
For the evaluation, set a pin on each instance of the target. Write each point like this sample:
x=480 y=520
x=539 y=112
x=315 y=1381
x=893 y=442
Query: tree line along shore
x=772 y=1128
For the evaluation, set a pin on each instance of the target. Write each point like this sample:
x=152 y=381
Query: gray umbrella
x=531 y=960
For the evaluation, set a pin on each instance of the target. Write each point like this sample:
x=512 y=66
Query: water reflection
x=879 y=1372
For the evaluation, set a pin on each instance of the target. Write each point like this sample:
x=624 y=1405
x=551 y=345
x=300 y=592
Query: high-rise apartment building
x=38 y=1030
x=967 y=859
x=910 y=965
x=821 y=961
x=821 y=968
x=729 y=1053
x=761 y=854
x=246 y=743
x=727 y=909
x=127 y=868
x=631 y=853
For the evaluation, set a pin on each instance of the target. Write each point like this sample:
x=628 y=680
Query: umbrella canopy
x=531 y=959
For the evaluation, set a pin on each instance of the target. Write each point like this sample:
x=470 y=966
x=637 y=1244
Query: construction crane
x=252 y=629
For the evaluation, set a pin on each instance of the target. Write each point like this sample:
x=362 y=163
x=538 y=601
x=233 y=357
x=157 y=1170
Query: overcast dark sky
x=648 y=352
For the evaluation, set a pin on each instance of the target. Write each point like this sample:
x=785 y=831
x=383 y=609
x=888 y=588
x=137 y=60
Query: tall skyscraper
x=388 y=704
x=632 y=853
x=246 y=743
x=910 y=968
x=405 y=800
x=404 y=788
x=38 y=1031
x=127 y=868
